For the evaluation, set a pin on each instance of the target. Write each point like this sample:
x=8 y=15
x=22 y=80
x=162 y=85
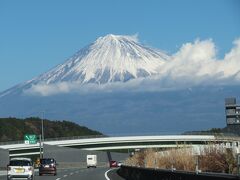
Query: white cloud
x=49 y=89
x=192 y=58
x=231 y=63
x=194 y=64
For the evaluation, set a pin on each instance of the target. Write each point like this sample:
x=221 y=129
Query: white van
x=91 y=161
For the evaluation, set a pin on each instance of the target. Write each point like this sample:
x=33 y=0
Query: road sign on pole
x=30 y=139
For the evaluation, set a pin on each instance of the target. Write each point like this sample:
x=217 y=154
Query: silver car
x=20 y=168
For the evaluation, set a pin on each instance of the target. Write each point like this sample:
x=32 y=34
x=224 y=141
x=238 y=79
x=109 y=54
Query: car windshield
x=20 y=163
x=47 y=161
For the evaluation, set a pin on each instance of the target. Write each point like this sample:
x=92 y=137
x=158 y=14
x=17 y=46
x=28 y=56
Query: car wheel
x=40 y=174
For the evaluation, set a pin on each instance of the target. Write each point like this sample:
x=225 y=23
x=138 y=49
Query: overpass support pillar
x=4 y=158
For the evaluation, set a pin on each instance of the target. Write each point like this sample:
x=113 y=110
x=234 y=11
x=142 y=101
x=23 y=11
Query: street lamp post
x=42 y=127
x=40 y=146
x=41 y=137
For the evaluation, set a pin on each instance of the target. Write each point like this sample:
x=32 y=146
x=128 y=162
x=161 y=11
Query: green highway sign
x=30 y=139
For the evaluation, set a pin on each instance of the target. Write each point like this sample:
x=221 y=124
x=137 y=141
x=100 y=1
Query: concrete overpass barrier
x=137 y=173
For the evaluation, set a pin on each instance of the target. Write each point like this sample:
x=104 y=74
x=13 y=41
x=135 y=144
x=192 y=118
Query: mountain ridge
x=13 y=129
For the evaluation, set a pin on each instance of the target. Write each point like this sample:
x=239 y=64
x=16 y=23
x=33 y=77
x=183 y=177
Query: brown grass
x=212 y=159
x=218 y=160
x=181 y=159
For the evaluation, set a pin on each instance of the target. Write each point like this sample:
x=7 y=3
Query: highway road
x=100 y=173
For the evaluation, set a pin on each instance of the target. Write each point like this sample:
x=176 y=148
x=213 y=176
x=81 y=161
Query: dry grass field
x=210 y=159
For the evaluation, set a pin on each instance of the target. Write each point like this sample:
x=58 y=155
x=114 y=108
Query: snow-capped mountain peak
x=110 y=58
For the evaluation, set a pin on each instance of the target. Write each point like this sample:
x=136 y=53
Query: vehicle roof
x=26 y=159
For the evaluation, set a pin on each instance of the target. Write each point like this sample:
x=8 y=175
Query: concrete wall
x=119 y=156
x=66 y=155
x=4 y=158
x=136 y=173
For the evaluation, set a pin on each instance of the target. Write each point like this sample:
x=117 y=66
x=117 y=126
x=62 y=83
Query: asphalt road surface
x=100 y=173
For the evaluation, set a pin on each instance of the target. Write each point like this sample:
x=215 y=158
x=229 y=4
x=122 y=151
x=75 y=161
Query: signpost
x=30 y=139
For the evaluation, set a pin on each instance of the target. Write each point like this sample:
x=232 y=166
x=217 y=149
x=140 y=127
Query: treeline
x=213 y=131
x=230 y=130
x=13 y=129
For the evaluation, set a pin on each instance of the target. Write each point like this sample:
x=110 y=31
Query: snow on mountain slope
x=109 y=59
x=112 y=58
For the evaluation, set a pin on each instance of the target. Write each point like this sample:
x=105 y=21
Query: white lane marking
x=65 y=175
x=106 y=176
x=71 y=174
x=58 y=178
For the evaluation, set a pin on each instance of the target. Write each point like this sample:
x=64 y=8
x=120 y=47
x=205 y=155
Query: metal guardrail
x=11 y=142
x=56 y=139
x=74 y=137
x=227 y=138
x=217 y=136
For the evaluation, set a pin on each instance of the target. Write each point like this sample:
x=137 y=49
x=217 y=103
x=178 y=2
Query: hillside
x=13 y=129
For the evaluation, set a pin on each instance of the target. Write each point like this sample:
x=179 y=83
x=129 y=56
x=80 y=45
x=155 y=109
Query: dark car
x=47 y=166
x=113 y=164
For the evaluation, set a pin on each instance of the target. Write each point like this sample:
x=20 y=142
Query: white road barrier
x=106 y=176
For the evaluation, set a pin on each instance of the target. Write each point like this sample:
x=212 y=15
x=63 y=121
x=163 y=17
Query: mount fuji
x=112 y=58
x=109 y=59
x=115 y=59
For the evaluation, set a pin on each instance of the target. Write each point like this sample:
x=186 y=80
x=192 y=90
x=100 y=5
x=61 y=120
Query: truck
x=91 y=161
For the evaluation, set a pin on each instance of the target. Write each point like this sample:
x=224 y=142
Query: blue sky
x=38 y=35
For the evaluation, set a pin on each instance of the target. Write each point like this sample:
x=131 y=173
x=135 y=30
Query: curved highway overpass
x=127 y=142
